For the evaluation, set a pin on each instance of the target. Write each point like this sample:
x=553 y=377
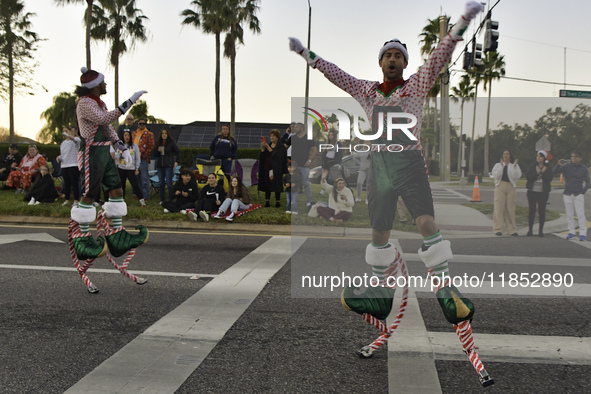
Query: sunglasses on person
x=141 y=124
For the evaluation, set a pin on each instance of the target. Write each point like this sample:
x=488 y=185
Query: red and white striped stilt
x=103 y=228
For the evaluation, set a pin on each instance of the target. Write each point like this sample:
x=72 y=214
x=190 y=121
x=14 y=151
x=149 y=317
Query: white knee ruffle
x=83 y=215
x=115 y=209
x=436 y=254
x=381 y=257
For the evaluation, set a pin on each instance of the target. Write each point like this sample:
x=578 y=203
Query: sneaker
x=288 y=212
x=570 y=236
x=192 y=215
x=530 y=233
x=456 y=308
x=160 y=203
x=583 y=238
x=18 y=191
x=87 y=248
x=377 y=301
x=183 y=212
x=231 y=217
x=32 y=201
x=121 y=242
x=142 y=203
x=204 y=216
x=498 y=234
x=514 y=235
x=294 y=213
x=65 y=203
x=357 y=199
x=219 y=215
x=166 y=210
x=37 y=203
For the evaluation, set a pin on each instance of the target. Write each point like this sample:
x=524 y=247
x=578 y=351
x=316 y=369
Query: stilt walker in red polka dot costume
x=98 y=171
x=402 y=174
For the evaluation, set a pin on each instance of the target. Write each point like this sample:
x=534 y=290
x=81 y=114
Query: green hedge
x=52 y=151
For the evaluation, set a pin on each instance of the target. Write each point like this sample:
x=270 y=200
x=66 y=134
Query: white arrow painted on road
x=39 y=237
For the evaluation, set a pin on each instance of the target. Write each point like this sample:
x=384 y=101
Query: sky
x=177 y=65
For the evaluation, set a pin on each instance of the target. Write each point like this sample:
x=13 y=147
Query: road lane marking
x=37 y=237
x=104 y=271
x=166 y=354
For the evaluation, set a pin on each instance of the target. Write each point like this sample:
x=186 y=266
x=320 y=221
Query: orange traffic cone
x=561 y=178
x=476 y=191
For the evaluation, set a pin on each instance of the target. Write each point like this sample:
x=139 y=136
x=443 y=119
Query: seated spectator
x=8 y=162
x=210 y=197
x=272 y=166
x=224 y=148
x=129 y=171
x=340 y=201
x=43 y=189
x=185 y=194
x=292 y=180
x=22 y=176
x=69 y=164
x=237 y=200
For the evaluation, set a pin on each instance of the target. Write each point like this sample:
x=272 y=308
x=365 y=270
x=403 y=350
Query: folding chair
x=206 y=167
x=154 y=183
x=237 y=170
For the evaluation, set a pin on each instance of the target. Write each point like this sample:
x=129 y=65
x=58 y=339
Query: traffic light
x=477 y=58
x=491 y=35
x=467 y=61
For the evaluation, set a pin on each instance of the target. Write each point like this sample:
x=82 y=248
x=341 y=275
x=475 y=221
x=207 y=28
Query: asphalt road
x=56 y=336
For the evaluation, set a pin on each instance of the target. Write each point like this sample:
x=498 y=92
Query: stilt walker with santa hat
x=97 y=171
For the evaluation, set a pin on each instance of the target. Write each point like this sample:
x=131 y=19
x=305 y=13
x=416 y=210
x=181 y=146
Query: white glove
x=473 y=8
x=131 y=101
x=127 y=157
x=296 y=46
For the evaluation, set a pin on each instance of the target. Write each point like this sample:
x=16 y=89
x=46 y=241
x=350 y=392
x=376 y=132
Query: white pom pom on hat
x=90 y=78
x=394 y=44
x=547 y=155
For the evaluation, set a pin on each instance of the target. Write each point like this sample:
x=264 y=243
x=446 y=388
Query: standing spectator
x=303 y=152
x=43 y=189
x=284 y=139
x=185 y=193
x=144 y=139
x=331 y=155
x=129 y=171
x=539 y=178
x=340 y=201
x=576 y=183
x=272 y=166
x=292 y=181
x=364 y=159
x=69 y=164
x=8 y=162
x=237 y=199
x=28 y=168
x=128 y=125
x=224 y=148
x=168 y=155
x=505 y=174
x=210 y=198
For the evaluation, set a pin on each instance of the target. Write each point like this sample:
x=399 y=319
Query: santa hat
x=546 y=155
x=394 y=44
x=90 y=78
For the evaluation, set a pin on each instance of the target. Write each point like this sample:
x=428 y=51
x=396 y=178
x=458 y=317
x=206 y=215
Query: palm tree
x=463 y=92
x=87 y=22
x=430 y=38
x=244 y=11
x=476 y=76
x=494 y=69
x=17 y=44
x=213 y=16
x=117 y=21
x=61 y=113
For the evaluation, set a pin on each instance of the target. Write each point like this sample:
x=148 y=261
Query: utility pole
x=445 y=150
x=307 y=65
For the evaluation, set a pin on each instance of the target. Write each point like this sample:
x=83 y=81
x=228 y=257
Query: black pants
x=540 y=199
x=173 y=206
x=277 y=196
x=207 y=205
x=126 y=175
x=71 y=176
